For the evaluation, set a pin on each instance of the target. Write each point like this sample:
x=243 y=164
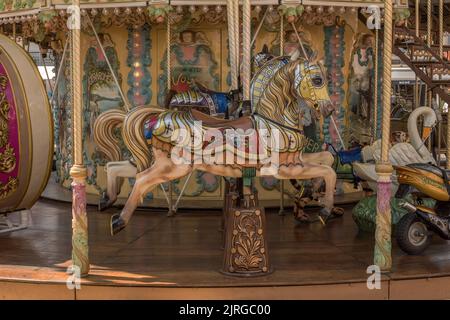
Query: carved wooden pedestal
x=230 y=201
x=245 y=251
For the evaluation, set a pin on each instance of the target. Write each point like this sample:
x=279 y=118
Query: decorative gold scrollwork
x=7 y=156
x=7 y=159
x=4 y=118
x=8 y=188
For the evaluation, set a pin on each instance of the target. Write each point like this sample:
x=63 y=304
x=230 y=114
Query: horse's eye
x=317 y=82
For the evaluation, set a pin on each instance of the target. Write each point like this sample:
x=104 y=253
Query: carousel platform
x=157 y=257
x=54 y=191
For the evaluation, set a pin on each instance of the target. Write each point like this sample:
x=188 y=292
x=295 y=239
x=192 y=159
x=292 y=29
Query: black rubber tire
x=402 y=235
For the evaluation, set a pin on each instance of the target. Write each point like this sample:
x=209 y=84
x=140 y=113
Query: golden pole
x=375 y=88
x=281 y=212
x=383 y=246
x=441 y=28
x=429 y=11
x=80 y=248
x=448 y=141
x=232 y=44
x=237 y=42
x=281 y=34
x=169 y=86
x=246 y=50
x=417 y=17
x=169 y=64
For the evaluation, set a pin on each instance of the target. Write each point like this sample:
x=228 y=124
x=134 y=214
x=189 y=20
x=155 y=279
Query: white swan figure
x=402 y=153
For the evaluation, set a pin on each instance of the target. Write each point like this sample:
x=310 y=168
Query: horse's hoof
x=104 y=203
x=117 y=224
x=337 y=212
x=324 y=215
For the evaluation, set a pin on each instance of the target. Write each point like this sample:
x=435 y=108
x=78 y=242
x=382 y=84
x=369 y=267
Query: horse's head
x=311 y=86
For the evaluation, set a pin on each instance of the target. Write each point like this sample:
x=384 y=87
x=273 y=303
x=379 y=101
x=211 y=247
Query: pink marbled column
x=80 y=248
x=383 y=245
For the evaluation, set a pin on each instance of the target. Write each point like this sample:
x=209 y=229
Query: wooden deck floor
x=184 y=252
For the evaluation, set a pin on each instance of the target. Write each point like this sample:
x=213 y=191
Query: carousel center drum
x=26 y=129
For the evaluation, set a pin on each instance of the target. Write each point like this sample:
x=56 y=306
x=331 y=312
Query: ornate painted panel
x=26 y=142
x=192 y=59
x=9 y=138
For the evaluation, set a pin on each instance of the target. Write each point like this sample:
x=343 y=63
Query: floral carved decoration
x=247 y=244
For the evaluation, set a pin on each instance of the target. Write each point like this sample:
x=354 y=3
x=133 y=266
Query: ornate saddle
x=243 y=123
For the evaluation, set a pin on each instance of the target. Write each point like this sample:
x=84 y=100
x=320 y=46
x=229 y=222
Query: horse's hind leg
x=162 y=171
x=310 y=171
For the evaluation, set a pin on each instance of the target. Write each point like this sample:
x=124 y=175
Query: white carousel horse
x=401 y=153
x=106 y=123
x=276 y=111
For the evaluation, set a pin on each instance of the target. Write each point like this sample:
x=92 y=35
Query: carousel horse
x=107 y=122
x=169 y=154
x=267 y=65
x=213 y=102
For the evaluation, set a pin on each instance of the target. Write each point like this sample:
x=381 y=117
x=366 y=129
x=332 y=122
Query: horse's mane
x=279 y=97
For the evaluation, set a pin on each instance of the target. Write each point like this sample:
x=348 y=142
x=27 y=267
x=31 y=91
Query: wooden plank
x=356 y=291
x=420 y=289
x=10 y=290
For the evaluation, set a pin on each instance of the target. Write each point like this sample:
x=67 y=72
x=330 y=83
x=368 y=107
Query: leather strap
x=278 y=124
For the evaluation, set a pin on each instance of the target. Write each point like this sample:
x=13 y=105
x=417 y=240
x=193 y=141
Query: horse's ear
x=295 y=55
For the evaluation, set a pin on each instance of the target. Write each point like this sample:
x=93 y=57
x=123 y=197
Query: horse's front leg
x=115 y=171
x=310 y=171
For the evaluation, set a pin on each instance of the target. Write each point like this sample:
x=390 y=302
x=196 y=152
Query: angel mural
x=100 y=94
x=360 y=82
x=100 y=91
x=192 y=59
x=292 y=44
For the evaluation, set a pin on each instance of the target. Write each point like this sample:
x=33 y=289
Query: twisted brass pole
x=80 y=249
x=281 y=212
x=168 y=57
x=246 y=50
x=441 y=28
x=281 y=34
x=237 y=42
x=169 y=86
x=429 y=11
x=417 y=17
x=382 y=251
x=448 y=142
x=375 y=88
x=429 y=42
x=232 y=44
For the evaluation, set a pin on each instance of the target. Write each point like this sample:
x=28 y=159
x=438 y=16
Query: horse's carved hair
x=280 y=92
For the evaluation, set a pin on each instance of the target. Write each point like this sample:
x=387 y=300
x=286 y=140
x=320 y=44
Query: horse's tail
x=104 y=133
x=133 y=135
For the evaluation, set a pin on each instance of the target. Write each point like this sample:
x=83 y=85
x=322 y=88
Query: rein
x=278 y=124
